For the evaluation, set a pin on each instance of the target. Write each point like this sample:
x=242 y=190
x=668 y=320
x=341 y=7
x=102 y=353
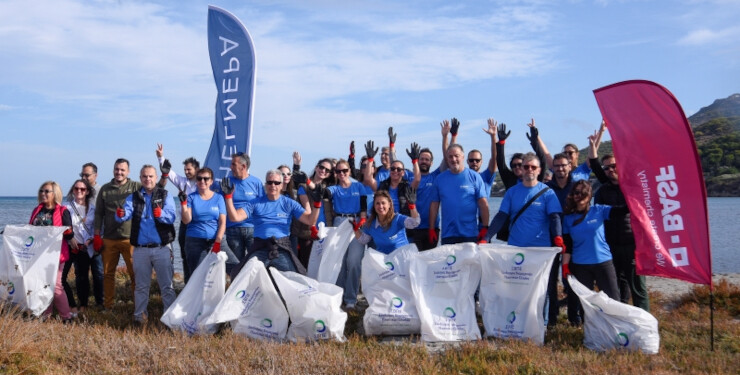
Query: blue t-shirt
x=322 y=217
x=205 y=213
x=488 y=179
x=245 y=190
x=589 y=242
x=424 y=194
x=347 y=200
x=388 y=240
x=273 y=218
x=458 y=194
x=583 y=172
x=532 y=228
x=393 y=192
x=384 y=174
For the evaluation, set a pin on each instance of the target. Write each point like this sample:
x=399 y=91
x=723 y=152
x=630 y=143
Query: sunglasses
x=80 y=189
x=560 y=165
x=276 y=183
x=570 y=152
x=202 y=178
x=322 y=168
x=580 y=193
x=474 y=160
x=396 y=169
x=44 y=191
x=611 y=166
x=341 y=171
x=85 y=175
x=530 y=167
x=516 y=165
x=288 y=174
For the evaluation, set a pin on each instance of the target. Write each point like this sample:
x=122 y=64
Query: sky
x=94 y=80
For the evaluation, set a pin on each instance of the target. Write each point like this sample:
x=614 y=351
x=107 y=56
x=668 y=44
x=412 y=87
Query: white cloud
x=705 y=36
x=5 y=107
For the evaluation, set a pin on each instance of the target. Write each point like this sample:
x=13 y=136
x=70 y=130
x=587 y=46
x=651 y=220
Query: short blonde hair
x=55 y=188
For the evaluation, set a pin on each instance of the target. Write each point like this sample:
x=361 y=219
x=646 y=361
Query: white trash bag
x=252 y=305
x=29 y=264
x=327 y=253
x=513 y=289
x=313 y=306
x=386 y=285
x=197 y=301
x=610 y=324
x=444 y=280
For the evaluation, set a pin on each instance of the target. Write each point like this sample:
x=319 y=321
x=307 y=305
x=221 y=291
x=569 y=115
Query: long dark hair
x=384 y=222
x=571 y=206
x=89 y=193
x=289 y=187
x=329 y=180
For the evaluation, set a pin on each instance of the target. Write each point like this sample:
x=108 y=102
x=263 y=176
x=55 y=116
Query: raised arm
x=507 y=176
x=539 y=147
x=414 y=155
x=227 y=188
x=445 y=127
x=310 y=216
x=593 y=157
x=392 y=144
x=492 y=129
x=368 y=179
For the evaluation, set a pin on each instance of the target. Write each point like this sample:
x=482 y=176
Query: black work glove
x=502 y=133
x=369 y=151
x=391 y=136
x=352 y=149
x=227 y=188
x=535 y=134
x=454 y=126
x=317 y=194
x=411 y=196
x=300 y=177
x=166 y=167
x=414 y=153
x=182 y=196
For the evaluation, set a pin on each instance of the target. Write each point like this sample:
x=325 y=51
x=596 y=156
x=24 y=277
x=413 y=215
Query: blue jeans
x=83 y=265
x=240 y=240
x=144 y=260
x=349 y=275
x=195 y=250
x=283 y=262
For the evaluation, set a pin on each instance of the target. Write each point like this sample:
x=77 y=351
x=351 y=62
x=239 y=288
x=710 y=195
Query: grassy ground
x=109 y=343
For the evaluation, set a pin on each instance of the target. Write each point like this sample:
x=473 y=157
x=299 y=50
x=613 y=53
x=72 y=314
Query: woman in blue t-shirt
x=387 y=228
x=205 y=214
x=588 y=256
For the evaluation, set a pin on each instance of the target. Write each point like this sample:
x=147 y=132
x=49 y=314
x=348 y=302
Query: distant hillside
x=728 y=107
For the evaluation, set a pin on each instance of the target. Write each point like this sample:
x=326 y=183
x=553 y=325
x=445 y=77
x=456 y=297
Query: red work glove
x=357 y=224
x=314 y=233
x=482 y=235
x=157 y=212
x=566 y=270
x=558 y=241
x=97 y=243
x=317 y=204
x=433 y=238
x=216 y=247
x=120 y=212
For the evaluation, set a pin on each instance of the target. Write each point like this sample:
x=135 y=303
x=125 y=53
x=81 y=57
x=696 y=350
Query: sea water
x=724 y=215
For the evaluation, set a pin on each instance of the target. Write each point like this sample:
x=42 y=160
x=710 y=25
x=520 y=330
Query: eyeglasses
x=385 y=154
x=611 y=166
x=273 y=182
x=86 y=175
x=202 y=178
x=516 y=165
x=322 y=168
x=287 y=174
x=570 y=152
x=341 y=170
x=80 y=189
x=529 y=167
x=560 y=165
x=474 y=160
x=44 y=191
x=396 y=169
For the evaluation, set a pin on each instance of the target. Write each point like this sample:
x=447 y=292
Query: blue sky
x=96 y=80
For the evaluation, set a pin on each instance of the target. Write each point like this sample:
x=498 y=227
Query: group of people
x=389 y=206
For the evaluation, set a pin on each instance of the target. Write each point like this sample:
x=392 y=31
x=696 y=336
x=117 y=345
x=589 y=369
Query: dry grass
x=108 y=343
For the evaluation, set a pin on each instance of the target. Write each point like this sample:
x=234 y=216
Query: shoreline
x=674 y=287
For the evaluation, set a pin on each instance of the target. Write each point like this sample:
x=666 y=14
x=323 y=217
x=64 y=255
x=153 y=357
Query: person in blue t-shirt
x=588 y=256
x=387 y=228
x=461 y=193
x=204 y=213
x=272 y=214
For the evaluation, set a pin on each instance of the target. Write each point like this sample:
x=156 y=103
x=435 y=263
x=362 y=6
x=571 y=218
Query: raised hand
x=227 y=187
x=491 y=130
x=166 y=167
x=391 y=136
x=534 y=132
x=370 y=150
x=445 y=125
x=296 y=158
x=183 y=197
x=455 y=125
x=160 y=150
x=502 y=133
x=414 y=153
x=352 y=149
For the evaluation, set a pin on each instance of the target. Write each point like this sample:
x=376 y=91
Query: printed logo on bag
x=518 y=259
x=597 y=307
x=449 y=313
x=623 y=339
x=319 y=326
x=451 y=259
x=240 y=294
x=11 y=288
x=29 y=241
x=389 y=266
x=267 y=323
x=511 y=317
x=396 y=302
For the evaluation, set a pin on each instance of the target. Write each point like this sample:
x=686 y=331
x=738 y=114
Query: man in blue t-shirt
x=240 y=234
x=462 y=194
x=424 y=193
